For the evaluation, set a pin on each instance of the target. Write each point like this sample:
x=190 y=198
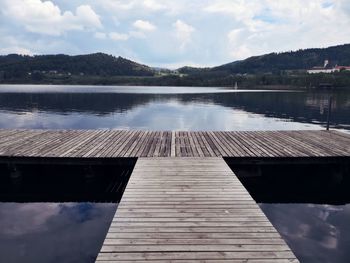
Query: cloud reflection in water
x=158 y=115
x=316 y=233
x=160 y=108
x=53 y=232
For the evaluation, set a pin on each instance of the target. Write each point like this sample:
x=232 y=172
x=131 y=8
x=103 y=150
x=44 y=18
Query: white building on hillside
x=327 y=68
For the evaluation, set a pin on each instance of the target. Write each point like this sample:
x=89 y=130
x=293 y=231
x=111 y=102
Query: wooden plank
x=205 y=261
x=147 y=146
x=98 y=144
x=212 y=145
x=192 y=248
x=111 y=142
x=76 y=142
x=240 y=144
x=221 y=146
x=297 y=143
x=165 y=146
x=138 y=141
x=198 y=256
x=39 y=144
x=191 y=235
x=206 y=144
x=13 y=144
x=241 y=218
x=322 y=140
x=153 y=144
x=122 y=143
x=234 y=151
x=195 y=241
x=271 y=260
x=10 y=138
x=258 y=143
x=137 y=151
x=168 y=145
x=67 y=143
x=179 y=224
x=132 y=141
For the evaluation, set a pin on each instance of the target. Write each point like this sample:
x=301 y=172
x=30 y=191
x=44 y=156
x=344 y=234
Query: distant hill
x=98 y=64
x=280 y=69
x=301 y=59
x=192 y=70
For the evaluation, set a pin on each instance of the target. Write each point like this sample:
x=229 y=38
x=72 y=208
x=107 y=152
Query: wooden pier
x=122 y=143
x=182 y=202
x=190 y=210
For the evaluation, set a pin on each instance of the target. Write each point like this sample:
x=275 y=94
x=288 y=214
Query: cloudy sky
x=172 y=33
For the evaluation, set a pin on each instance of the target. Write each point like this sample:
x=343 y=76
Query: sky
x=172 y=33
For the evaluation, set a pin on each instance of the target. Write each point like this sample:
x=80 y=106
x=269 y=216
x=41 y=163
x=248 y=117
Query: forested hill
x=286 y=69
x=103 y=65
x=301 y=59
x=97 y=64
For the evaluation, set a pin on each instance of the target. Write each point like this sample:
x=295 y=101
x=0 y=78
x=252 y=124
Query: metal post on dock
x=329 y=111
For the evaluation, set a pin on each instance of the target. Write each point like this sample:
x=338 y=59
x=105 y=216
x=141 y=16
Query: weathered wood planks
x=190 y=210
x=123 y=143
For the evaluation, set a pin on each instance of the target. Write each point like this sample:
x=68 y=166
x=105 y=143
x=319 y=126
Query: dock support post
x=329 y=111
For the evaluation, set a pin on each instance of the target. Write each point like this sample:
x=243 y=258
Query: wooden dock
x=178 y=209
x=122 y=143
x=190 y=210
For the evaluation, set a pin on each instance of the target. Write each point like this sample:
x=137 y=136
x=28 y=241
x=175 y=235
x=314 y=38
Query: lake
x=73 y=232
x=168 y=108
x=53 y=232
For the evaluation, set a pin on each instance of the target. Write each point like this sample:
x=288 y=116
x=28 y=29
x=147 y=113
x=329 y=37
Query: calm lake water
x=73 y=232
x=167 y=108
x=53 y=232
x=315 y=233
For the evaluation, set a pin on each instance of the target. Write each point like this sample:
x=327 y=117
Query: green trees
x=98 y=64
x=301 y=59
x=287 y=69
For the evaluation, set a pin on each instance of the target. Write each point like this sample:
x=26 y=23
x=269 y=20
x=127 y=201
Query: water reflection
x=155 y=116
x=195 y=111
x=53 y=232
x=116 y=89
x=315 y=233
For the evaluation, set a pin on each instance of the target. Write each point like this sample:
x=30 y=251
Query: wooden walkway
x=121 y=143
x=190 y=210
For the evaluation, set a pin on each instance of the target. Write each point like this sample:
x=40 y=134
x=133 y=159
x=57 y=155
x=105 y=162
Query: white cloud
x=239 y=9
x=137 y=34
x=87 y=16
x=118 y=36
x=183 y=32
x=11 y=45
x=116 y=21
x=47 y=18
x=235 y=35
x=275 y=25
x=144 y=25
x=153 y=5
x=15 y=50
x=238 y=49
x=205 y=32
x=139 y=6
x=240 y=52
x=100 y=35
x=114 y=5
